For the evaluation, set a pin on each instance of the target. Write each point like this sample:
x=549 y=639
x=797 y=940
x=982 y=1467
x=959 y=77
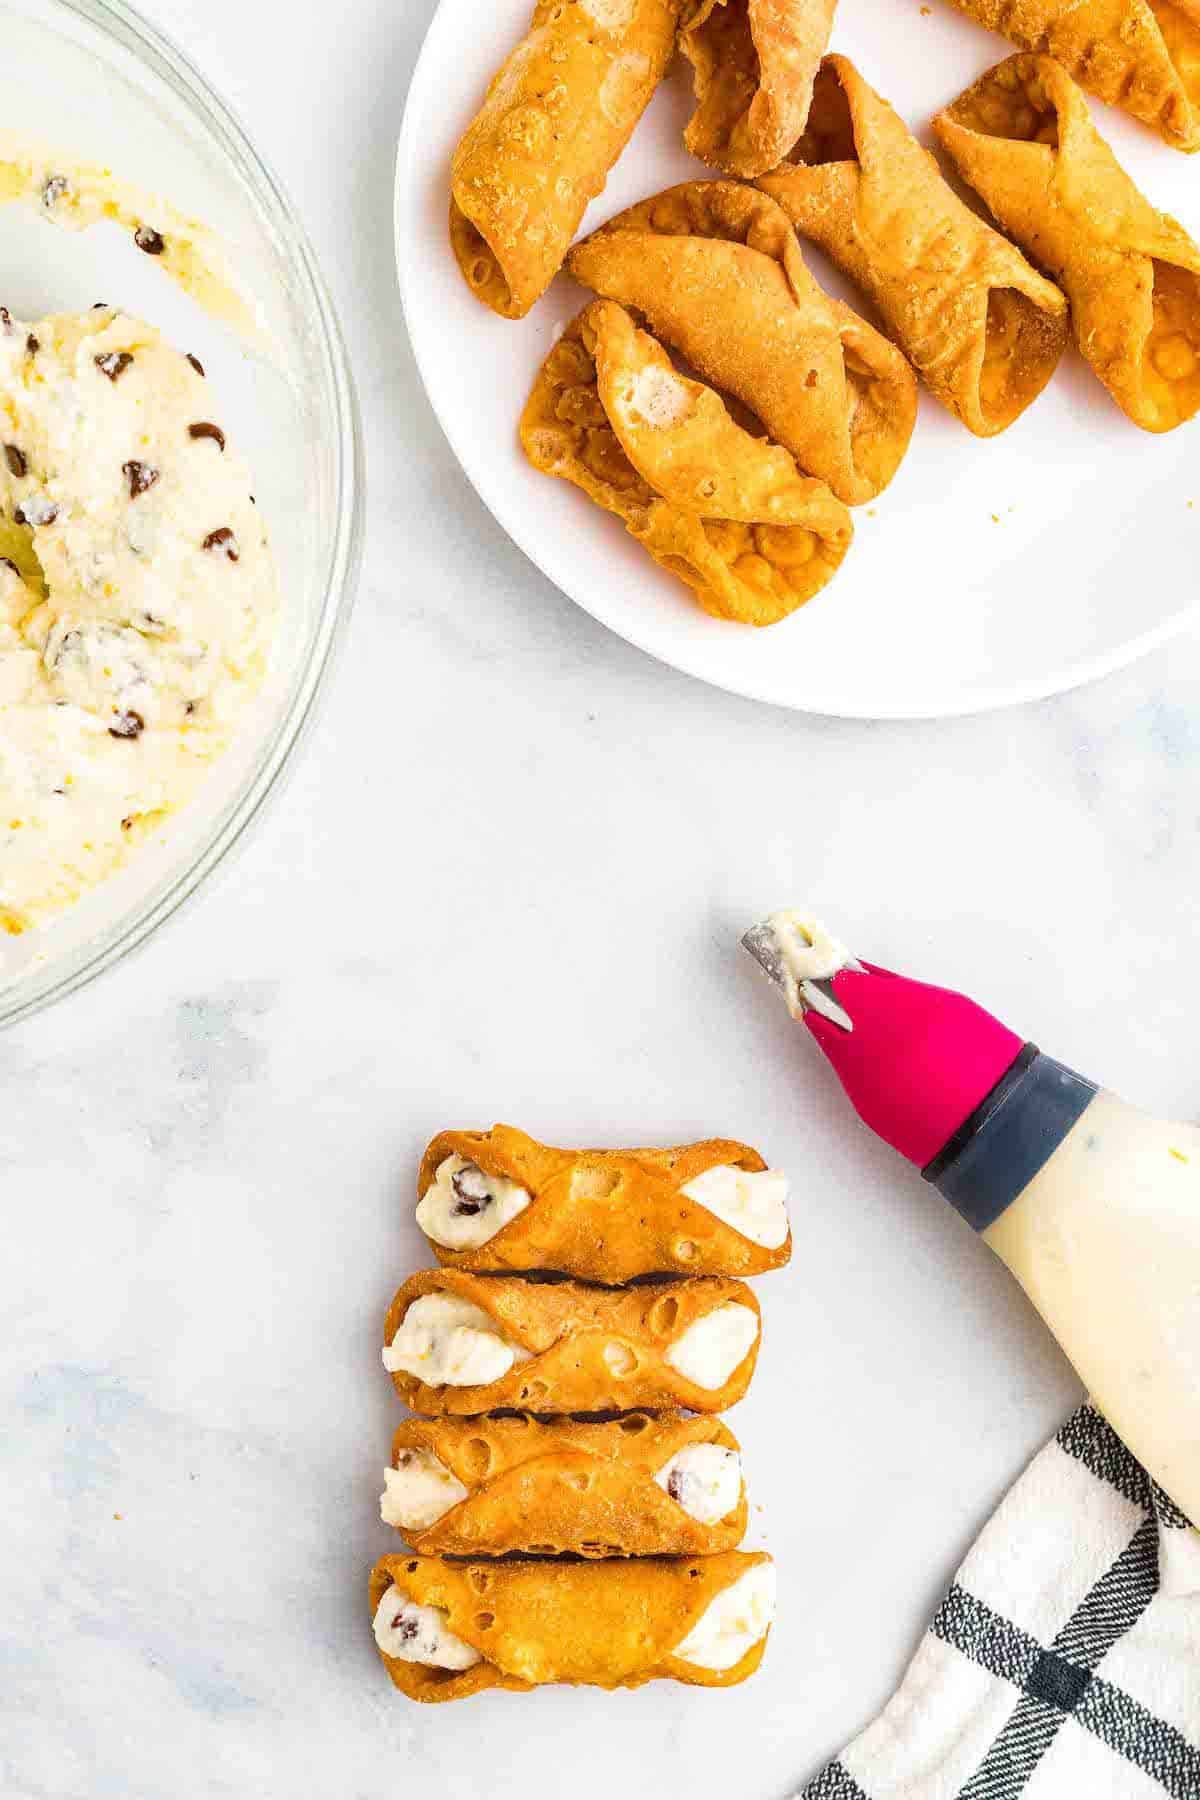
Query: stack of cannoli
x=568 y=1359
x=713 y=397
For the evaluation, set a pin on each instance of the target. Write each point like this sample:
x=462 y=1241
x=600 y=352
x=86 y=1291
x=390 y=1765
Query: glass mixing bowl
x=93 y=79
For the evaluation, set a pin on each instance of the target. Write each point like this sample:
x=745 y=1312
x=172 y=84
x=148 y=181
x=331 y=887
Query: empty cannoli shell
x=983 y=328
x=555 y=119
x=717 y=273
x=1023 y=138
x=754 y=63
x=1141 y=55
x=727 y=512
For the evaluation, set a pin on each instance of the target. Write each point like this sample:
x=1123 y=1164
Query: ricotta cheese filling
x=463 y=1207
x=733 y=1622
x=755 y=1204
x=711 y=1348
x=419 y=1634
x=705 y=1479
x=138 y=598
x=447 y=1341
x=418 y=1491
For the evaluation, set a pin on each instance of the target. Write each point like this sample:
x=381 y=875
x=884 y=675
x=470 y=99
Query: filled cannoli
x=460 y=1343
x=640 y=1485
x=447 y=1630
x=727 y=512
x=754 y=63
x=717 y=273
x=1024 y=140
x=555 y=119
x=1140 y=55
x=981 y=326
x=500 y=1200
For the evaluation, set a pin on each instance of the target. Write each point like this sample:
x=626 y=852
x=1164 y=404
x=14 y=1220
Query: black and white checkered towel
x=1064 y=1663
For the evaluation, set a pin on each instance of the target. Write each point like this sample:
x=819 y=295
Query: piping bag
x=1093 y=1205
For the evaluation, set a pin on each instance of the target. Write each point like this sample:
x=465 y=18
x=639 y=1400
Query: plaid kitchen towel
x=1064 y=1663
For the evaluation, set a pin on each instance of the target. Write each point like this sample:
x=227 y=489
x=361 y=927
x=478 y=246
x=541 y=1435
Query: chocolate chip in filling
x=114 y=363
x=15 y=458
x=206 y=430
x=151 y=241
x=140 y=476
x=32 y=344
x=127 y=725
x=196 y=363
x=470 y=1185
x=224 y=541
x=54 y=189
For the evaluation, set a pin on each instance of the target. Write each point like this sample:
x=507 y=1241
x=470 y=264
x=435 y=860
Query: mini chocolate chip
x=128 y=725
x=140 y=477
x=114 y=363
x=32 y=344
x=223 y=539
x=151 y=241
x=189 y=707
x=675 y=1484
x=5 y=319
x=205 y=430
x=196 y=363
x=99 y=305
x=15 y=458
x=54 y=189
x=8 y=563
x=408 y=1630
x=127 y=823
x=467 y=1209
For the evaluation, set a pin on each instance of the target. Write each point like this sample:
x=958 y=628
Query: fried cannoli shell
x=604 y=1215
x=555 y=119
x=1024 y=140
x=716 y=271
x=754 y=63
x=786 y=535
x=581 y=1487
x=609 y=1624
x=1140 y=55
x=592 y=1349
x=981 y=326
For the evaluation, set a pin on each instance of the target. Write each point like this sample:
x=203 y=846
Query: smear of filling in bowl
x=138 y=594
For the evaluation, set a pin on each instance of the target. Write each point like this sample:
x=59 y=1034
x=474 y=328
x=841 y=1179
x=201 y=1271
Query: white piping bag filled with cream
x=1093 y=1205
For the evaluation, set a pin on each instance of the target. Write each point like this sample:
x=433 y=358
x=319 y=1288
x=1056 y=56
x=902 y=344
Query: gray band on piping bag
x=1010 y=1136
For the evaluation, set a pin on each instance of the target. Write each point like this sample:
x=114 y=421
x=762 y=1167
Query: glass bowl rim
x=157 y=52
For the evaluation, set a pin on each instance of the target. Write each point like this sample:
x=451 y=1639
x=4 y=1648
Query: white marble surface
x=505 y=882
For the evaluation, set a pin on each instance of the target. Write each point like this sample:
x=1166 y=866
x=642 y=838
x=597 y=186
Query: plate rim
x=1048 y=685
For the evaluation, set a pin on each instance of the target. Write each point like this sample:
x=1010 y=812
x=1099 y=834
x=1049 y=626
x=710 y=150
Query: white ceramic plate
x=988 y=573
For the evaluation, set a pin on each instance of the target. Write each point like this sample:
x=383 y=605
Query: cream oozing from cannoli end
x=705 y=1479
x=446 y=1341
x=711 y=1348
x=465 y=1207
x=419 y=1634
x=418 y=1491
x=754 y=1202
x=736 y=1619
